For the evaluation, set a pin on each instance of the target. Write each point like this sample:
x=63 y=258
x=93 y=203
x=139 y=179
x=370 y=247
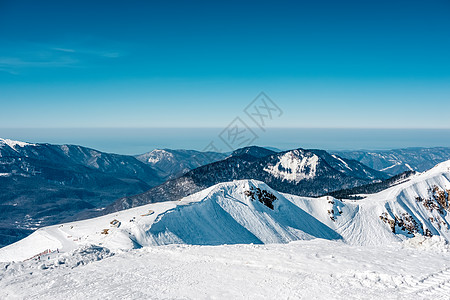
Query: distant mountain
x=359 y=192
x=43 y=184
x=173 y=163
x=253 y=151
x=300 y=172
x=274 y=149
x=396 y=161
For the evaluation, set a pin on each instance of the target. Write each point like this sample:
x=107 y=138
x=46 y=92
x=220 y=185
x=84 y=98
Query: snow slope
x=227 y=214
x=222 y=214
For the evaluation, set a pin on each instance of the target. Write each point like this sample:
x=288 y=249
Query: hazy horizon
x=132 y=141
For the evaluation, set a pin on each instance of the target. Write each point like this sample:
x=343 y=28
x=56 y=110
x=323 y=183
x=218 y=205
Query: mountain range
x=300 y=172
x=388 y=237
x=393 y=162
x=251 y=212
x=45 y=184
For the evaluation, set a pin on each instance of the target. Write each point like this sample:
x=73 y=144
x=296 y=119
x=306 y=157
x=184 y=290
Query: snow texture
x=291 y=168
x=318 y=269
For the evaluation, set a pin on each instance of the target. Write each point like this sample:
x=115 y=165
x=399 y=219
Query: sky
x=199 y=64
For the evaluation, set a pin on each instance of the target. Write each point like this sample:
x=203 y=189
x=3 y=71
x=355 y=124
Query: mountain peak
x=294 y=166
x=254 y=151
x=157 y=155
x=13 y=144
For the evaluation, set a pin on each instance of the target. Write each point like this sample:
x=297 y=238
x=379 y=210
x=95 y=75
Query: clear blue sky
x=353 y=64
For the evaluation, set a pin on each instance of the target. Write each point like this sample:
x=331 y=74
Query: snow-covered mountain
x=172 y=163
x=249 y=211
x=393 y=162
x=337 y=249
x=43 y=184
x=71 y=156
x=223 y=214
x=300 y=172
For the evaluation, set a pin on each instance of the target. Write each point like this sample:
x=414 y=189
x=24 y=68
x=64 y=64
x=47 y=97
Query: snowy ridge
x=399 y=210
x=236 y=213
x=222 y=214
x=390 y=167
x=342 y=161
x=14 y=144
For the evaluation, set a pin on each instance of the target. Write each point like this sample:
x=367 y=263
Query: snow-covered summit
x=13 y=144
x=294 y=166
x=298 y=165
x=155 y=156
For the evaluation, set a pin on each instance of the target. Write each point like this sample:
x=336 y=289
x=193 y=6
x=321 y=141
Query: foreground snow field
x=317 y=269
